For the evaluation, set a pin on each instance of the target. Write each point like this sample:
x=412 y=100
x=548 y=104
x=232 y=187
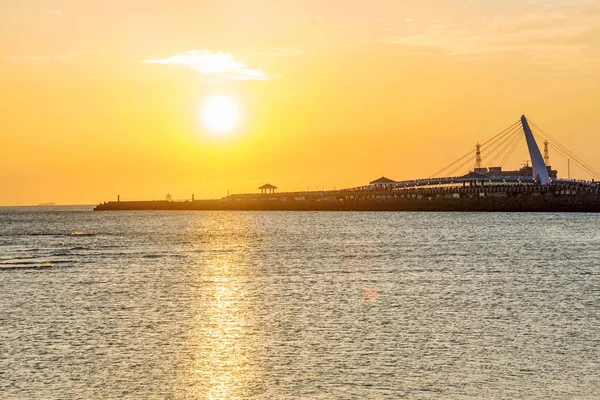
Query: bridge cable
x=590 y=171
x=558 y=144
x=499 y=141
x=510 y=127
x=593 y=173
x=505 y=159
x=501 y=145
x=472 y=152
x=508 y=145
x=460 y=167
x=498 y=149
x=569 y=155
x=493 y=146
x=567 y=152
x=505 y=146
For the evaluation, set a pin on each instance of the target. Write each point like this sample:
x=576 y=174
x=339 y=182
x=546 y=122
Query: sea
x=298 y=305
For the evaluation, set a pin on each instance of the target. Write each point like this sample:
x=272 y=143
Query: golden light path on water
x=223 y=346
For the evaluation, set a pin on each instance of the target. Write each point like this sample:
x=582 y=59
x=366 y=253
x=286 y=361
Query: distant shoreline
x=48 y=206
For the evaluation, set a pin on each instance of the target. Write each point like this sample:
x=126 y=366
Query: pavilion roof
x=382 y=180
x=268 y=186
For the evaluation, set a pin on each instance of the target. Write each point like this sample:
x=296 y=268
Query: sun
x=220 y=114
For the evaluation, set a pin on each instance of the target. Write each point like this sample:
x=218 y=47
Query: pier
x=480 y=188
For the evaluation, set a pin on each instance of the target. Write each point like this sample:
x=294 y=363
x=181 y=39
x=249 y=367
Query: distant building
x=475 y=175
x=268 y=188
x=382 y=183
x=526 y=171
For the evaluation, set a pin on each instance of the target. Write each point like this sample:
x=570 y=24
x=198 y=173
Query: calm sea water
x=278 y=305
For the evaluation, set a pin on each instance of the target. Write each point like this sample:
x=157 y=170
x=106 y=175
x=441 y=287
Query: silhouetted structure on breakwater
x=517 y=198
x=534 y=188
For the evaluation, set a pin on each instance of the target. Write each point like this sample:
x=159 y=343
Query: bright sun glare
x=220 y=114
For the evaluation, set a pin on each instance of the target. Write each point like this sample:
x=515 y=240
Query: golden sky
x=99 y=98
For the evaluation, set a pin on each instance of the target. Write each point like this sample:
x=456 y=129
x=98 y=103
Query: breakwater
x=492 y=198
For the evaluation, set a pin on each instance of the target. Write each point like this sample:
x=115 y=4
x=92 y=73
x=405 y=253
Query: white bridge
x=483 y=180
x=500 y=148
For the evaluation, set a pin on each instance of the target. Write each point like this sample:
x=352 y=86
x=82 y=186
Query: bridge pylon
x=540 y=171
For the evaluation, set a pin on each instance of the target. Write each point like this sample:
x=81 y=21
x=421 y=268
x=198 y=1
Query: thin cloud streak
x=545 y=35
x=219 y=64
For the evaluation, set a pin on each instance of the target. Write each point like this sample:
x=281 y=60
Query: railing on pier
x=557 y=187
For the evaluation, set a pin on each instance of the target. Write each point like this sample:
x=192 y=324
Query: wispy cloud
x=57 y=13
x=558 y=36
x=219 y=64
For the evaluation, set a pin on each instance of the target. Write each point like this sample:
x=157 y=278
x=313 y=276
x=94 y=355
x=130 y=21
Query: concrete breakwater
x=508 y=198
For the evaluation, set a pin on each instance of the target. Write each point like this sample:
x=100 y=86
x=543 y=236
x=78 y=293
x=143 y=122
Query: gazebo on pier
x=268 y=188
x=382 y=183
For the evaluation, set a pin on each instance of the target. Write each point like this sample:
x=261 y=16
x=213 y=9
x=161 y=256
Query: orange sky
x=100 y=98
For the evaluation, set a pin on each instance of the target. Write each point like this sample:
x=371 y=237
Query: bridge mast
x=540 y=172
x=546 y=153
x=477 y=156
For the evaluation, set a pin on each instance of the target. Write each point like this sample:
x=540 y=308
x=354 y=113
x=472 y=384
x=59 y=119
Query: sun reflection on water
x=225 y=352
x=224 y=359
